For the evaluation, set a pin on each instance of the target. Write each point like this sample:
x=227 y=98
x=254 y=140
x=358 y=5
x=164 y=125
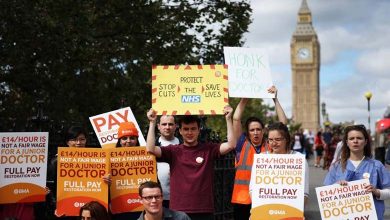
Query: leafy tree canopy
x=84 y=58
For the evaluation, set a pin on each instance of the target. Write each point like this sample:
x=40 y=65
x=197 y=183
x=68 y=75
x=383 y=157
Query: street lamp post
x=368 y=96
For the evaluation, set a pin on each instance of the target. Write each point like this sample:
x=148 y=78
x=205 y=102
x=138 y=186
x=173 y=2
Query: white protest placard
x=23 y=166
x=249 y=72
x=277 y=186
x=346 y=202
x=106 y=126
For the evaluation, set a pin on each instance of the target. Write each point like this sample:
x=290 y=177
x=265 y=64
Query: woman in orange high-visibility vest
x=250 y=143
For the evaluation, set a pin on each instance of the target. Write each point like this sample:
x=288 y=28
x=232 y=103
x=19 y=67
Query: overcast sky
x=355 y=52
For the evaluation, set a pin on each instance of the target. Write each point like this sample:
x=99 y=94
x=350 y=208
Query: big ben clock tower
x=305 y=64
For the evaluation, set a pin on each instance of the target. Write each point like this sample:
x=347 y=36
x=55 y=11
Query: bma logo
x=190 y=98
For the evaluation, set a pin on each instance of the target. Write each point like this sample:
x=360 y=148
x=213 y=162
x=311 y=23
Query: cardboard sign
x=346 y=202
x=23 y=166
x=106 y=126
x=80 y=173
x=249 y=72
x=130 y=166
x=277 y=184
x=189 y=90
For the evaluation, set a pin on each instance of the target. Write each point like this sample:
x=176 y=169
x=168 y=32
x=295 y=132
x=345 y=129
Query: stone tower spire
x=304 y=8
x=305 y=65
x=304 y=24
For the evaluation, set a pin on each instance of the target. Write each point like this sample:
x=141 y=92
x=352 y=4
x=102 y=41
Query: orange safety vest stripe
x=240 y=193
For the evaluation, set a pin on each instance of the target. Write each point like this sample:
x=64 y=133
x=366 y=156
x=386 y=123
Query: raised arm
x=151 y=138
x=278 y=108
x=237 y=125
x=232 y=139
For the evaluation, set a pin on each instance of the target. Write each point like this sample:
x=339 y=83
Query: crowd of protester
x=186 y=166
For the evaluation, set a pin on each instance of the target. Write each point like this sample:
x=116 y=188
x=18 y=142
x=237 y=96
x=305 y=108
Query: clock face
x=303 y=53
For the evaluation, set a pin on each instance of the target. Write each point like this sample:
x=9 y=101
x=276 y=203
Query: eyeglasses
x=150 y=198
x=128 y=138
x=276 y=140
x=78 y=139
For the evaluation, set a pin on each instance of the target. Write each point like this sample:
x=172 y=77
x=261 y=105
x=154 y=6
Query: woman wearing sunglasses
x=356 y=163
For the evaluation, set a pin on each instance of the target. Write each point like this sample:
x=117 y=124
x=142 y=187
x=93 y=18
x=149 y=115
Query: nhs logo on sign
x=190 y=98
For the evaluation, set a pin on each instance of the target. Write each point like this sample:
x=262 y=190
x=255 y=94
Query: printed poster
x=80 y=173
x=23 y=166
x=351 y=202
x=106 y=126
x=249 y=72
x=189 y=90
x=130 y=166
x=277 y=184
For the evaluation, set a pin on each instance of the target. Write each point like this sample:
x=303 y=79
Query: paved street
x=316 y=178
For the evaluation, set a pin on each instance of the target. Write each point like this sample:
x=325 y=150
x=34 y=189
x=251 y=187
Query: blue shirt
x=379 y=177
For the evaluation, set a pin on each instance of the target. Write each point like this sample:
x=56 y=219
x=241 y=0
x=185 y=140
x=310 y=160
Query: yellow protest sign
x=189 y=90
x=80 y=173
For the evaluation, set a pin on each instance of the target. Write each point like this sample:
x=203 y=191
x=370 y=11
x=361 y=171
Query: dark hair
x=97 y=210
x=283 y=130
x=159 y=118
x=187 y=119
x=73 y=132
x=118 y=143
x=345 y=151
x=149 y=184
x=250 y=120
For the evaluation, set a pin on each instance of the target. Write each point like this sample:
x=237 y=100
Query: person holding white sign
x=191 y=164
x=279 y=142
x=356 y=163
x=250 y=143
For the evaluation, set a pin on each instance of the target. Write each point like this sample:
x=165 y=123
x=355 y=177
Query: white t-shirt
x=297 y=143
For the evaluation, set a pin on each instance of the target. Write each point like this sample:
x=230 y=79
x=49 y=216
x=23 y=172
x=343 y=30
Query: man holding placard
x=191 y=164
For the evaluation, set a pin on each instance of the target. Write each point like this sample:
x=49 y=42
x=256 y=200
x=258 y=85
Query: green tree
x=254 y=107
x=84 y=58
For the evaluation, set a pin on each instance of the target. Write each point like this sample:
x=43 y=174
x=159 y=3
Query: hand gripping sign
x=189 y=90
x=23 y=157
x=106 y=126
